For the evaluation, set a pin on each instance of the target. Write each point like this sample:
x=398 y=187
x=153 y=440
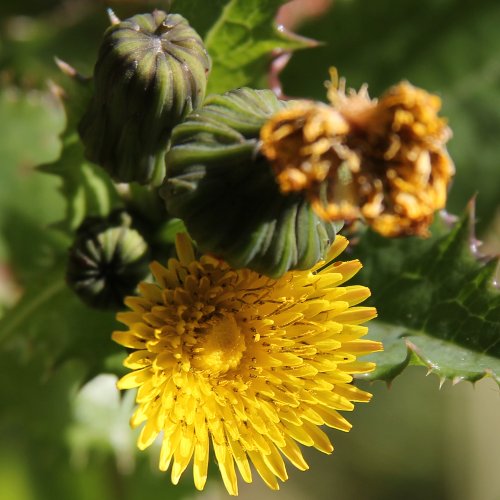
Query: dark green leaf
x=437 y=304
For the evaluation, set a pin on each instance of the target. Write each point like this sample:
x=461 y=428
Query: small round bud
x=151 y=72
x=106 y=261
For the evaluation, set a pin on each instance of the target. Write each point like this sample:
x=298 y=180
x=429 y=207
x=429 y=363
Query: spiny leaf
x=86 y=188
x=437 y=305
x=242 y=40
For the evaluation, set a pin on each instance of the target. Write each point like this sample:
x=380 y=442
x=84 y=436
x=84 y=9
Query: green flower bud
x=151 y=72
x=107 y=261
x=224 y=189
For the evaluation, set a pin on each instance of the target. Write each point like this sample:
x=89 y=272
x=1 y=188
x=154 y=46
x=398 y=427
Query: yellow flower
x=244 y=364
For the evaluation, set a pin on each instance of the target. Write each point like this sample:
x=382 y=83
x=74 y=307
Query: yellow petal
x=339 y=245
x=356 y=315
x=321 y=440
x=275 y=463
x=263 y=470
x=293 y=453
x=169 y=445
x=241 y=460
x=148 y=434
x=184 y=248
x=138 y=359
x=182 y=455
x=226 y=466
x=128 y=339
x=134 y=379
x=200 y=465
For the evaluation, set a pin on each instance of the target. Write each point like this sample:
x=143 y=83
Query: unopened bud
x=224 y=190
x=151 y=72
x=106 y=261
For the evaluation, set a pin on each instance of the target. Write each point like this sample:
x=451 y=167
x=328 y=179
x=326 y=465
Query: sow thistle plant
x=251 y=348
x=219 y=249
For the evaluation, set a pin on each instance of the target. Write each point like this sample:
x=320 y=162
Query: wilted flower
x=384 y=160
x=244 y=364
x=306 y=146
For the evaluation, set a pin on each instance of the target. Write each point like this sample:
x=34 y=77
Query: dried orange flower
x=306 y=145
x=405 y=168
x=384 y=160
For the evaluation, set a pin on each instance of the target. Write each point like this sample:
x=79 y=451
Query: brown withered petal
x=383 y=160
x=304 y=143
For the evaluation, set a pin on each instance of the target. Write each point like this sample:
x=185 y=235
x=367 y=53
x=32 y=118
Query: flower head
x=383 y=160
x=244 y=364
x=405 y=167
x=225 y=191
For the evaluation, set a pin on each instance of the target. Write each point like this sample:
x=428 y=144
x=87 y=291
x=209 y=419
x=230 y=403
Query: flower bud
x=106 y=261
x=151 y=72
x=224 y=190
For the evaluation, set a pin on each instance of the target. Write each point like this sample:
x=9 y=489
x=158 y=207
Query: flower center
x=220 y=347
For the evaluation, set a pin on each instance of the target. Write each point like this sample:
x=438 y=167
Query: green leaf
x=86 y=188
x=449 y=47
x=241 y=41
x=31 y=122
x=437 y=305
x=50 y=323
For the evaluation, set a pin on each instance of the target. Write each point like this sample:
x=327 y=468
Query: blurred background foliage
x=58 y=441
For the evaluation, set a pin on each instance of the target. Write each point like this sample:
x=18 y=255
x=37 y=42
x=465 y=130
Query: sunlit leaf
x=87 y=189
x=240 y=43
